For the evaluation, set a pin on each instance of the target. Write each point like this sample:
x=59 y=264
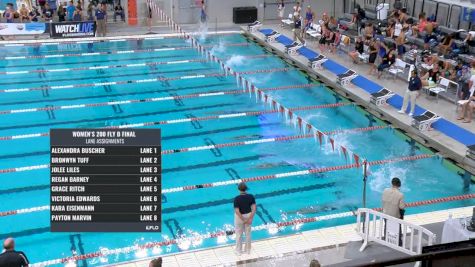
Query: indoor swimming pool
x=165 y=83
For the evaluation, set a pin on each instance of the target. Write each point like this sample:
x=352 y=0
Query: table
x=454 y=231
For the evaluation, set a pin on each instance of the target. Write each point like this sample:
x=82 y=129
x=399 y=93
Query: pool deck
x=447 y=147
x=333 y=246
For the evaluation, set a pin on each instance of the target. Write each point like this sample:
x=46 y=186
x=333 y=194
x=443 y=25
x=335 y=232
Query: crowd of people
x=66 y=11
x=381 y=45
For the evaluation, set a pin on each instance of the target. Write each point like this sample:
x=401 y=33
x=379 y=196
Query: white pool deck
x=328 y=244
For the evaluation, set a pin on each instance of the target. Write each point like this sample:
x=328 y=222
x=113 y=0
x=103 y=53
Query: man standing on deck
x=10 y=257
x=101 y=20
x=393 y=203
x=244 y=210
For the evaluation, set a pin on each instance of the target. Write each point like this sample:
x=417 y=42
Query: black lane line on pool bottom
x=34 y=231
x=119 y=94
x=118 y=117
x=171 y=137
x=80 y=247
x=216 y=151
x=24 y=189
x=232 y=173
x=264 y=214
x=71 y=80
x=257 y=196
x=174 y=227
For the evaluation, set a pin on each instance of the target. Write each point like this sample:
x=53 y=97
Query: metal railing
x=403 y=236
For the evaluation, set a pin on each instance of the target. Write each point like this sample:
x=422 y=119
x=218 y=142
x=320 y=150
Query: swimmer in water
x=269 y=165
x=312 y=210
x=251 y=136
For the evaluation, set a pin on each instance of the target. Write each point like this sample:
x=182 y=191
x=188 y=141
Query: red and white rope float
x=174 y=121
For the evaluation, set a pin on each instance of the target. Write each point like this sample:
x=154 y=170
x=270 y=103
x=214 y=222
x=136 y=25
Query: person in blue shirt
x=101 y=18
x=70 y=11
x=412 y=92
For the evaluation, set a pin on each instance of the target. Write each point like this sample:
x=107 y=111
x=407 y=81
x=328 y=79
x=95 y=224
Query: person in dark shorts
x=373 y=54
x=244 y=210
x=10 y=257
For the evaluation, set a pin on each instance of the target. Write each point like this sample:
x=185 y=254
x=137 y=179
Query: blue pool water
x=204 y=210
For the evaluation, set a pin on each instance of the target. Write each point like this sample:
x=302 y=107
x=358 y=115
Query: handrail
x=423 y=257
x=372 y=224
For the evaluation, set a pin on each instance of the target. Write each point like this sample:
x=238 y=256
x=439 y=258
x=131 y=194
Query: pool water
x=206 y=210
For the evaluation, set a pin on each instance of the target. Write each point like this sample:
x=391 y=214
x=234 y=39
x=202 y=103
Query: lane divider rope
x=291 y=174
x=131 y=65
x=174 y=121
x=146 y=100
x=151 y=80
x=233 y=144
x=115 y=52
x=230 y=232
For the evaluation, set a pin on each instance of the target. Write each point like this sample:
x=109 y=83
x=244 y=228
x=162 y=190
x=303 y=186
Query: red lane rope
x=291 y=174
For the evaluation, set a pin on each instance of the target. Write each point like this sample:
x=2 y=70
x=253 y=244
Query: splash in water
x=235 y=61
x=381 y=178
x=218 y=49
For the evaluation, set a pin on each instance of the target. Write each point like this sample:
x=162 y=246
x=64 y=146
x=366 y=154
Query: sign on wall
x=22 y=28
x=73 y=29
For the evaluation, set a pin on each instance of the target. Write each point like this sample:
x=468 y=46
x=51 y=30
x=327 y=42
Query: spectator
x=77 y=14
x=368 y=31
x=203 y=13
x=101 y=20
x=432 y=76
x=41 y=3
x=24 y=14
x=470 y=39
x=464 y=82
x=447 y=44
x=90 y=11
x=388 y=59
x=397 y=29
x=119 y=11
x=281 y=11
x=244 y=210
x=297 y=29
x=61 y=13
x=9 y=14
x=412 y=92
x=373 y=54
x=468 y=107
x=336 y=42
x=309 y=17
x=10 y=257
x=403 y=15
x=400 y=41
x=297 y=9
x=34 y=14
x=314 y=263
x=359 y=50
x=325 y=18
x=156 y=262
x=70 y=11
x=47 y=13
